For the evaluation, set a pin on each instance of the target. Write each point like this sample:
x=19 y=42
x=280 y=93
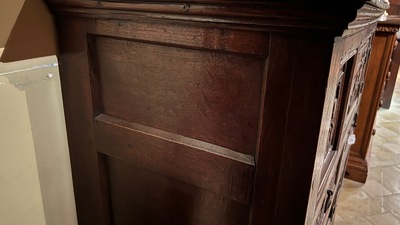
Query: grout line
x=397 y=217
x=398 y=220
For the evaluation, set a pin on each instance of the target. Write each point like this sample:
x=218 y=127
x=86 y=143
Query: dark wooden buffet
x=211 y=112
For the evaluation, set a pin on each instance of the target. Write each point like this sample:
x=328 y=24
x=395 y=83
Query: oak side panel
x=245 y=78
x=183 y=110
x=140 y=197
x=294 y=102
x=203 y=165
x=79 y=109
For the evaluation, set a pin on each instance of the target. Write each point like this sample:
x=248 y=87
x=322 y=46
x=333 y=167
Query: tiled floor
x=377 y=202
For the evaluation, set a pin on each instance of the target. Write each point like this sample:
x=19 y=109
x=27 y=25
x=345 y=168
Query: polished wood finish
x=390 y=82
x=210 y=112
x=391 y=77
x=394 y=7
x=377 y=73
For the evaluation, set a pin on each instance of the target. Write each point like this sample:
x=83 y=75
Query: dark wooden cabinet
x=378 y=73
x=211 y=112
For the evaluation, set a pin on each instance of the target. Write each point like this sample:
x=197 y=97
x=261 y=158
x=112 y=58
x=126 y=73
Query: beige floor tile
x=378 y=121
x=372 y=164
x=384 y=219
x=395 y=106
x=351 y=184
x=388 y=115
x=393 y=147
x=394 y=103
x=358 y=206
x=358 y=221
x=388 y=177
x=377 y=140
x=382 y=157
x=393 y=126
x=375 y=189
x=384 y=132
x=391 y=203
x=395 y=140
x=338 y=217
x=352 y=194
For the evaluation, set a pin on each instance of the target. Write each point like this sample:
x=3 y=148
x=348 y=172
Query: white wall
x=35 y=174
x=20 y=195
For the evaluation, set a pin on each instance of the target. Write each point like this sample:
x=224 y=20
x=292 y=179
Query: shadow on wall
x=26 y=32
x=9 y=11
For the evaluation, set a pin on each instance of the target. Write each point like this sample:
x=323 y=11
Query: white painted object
x=35 y=174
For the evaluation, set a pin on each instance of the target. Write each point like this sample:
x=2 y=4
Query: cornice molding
x=389 y=29
x=289 y=16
